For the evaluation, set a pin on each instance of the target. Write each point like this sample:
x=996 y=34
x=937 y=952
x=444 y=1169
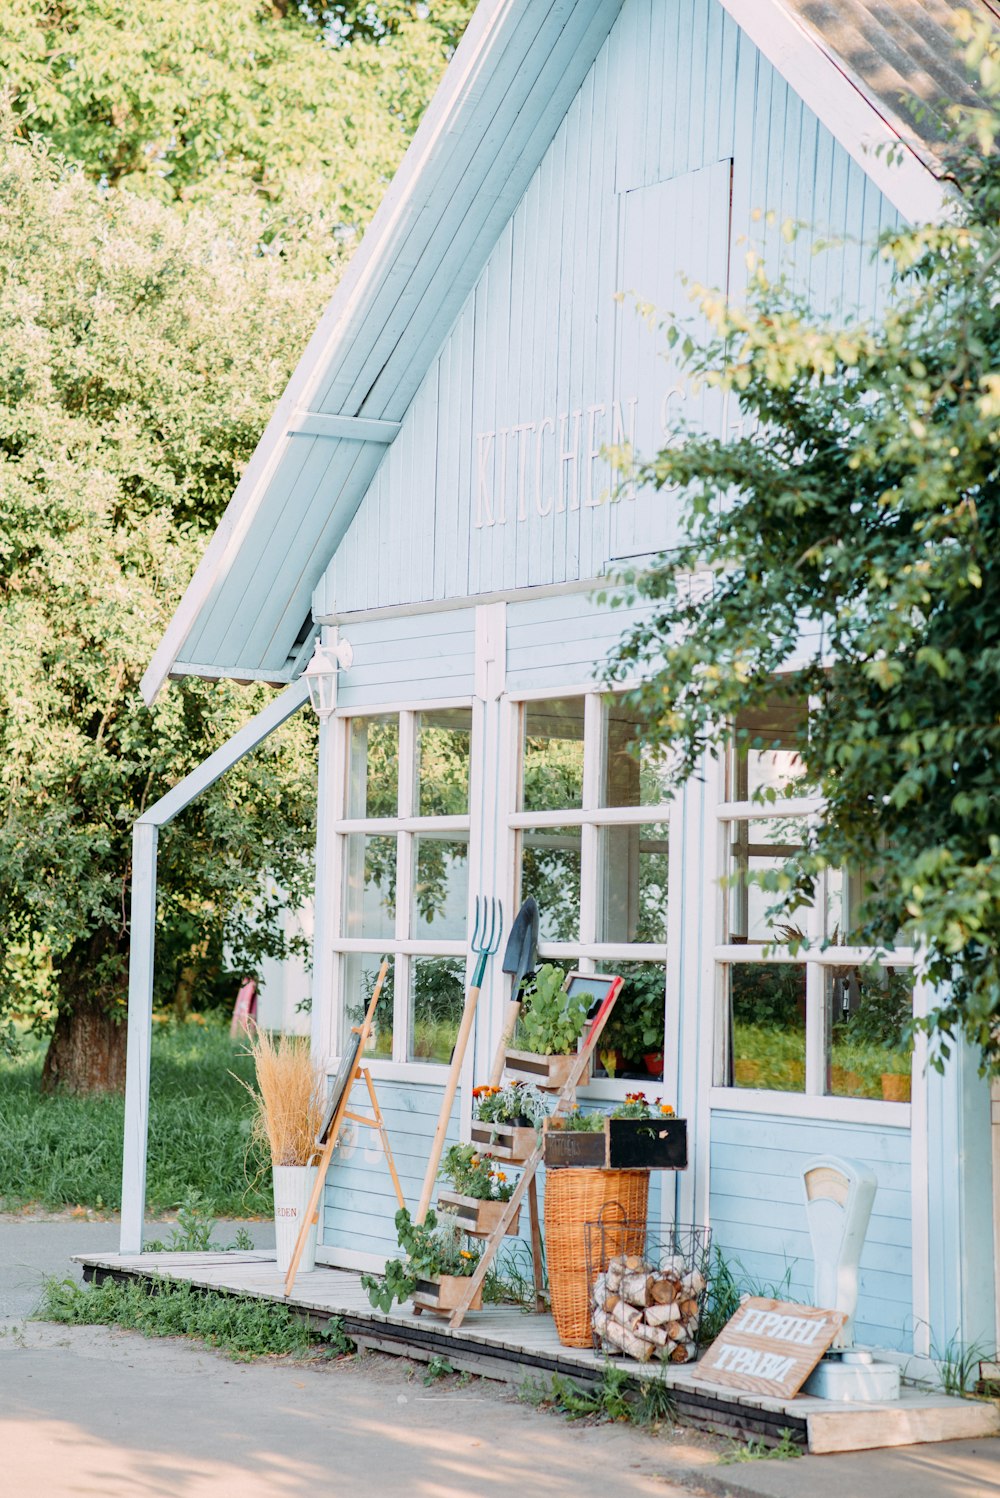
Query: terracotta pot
x=844 y=1083
x=653 y=1061
x=746 y=1073
x=476 y=1217
x=895 y=1087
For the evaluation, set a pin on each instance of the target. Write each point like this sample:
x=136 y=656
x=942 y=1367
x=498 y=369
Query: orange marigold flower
x=666 y=1110
x=463 y=1253
x=501 y=1176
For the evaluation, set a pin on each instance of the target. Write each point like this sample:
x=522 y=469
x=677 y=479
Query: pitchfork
x=486 y=933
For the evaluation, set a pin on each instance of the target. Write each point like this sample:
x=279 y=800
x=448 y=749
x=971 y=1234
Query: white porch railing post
x=140 y=1025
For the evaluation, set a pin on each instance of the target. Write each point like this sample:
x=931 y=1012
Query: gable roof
x=246 y=613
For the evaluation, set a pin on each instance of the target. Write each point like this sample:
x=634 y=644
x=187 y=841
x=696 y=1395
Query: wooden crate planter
x=477 y=1218
x=513 y=1142
x=444 y=1294
x=623 y=1144
x=549 y=1073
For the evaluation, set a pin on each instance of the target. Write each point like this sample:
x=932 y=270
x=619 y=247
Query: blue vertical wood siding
x=759 y=1219
x=680 y=142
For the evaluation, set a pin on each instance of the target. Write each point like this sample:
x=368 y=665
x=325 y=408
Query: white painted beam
x=343 y=428
x=143 y=946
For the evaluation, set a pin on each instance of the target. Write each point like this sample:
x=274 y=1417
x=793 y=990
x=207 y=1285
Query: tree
x=221 y=161
x=856 y=526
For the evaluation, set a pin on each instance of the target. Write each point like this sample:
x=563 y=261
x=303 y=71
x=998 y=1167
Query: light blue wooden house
x=432 y=490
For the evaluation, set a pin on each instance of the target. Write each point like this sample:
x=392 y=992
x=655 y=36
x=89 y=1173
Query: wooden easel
x=350 y=1070
x=529 y=1170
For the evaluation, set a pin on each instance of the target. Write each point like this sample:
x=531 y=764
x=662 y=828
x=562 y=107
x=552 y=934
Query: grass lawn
x=67 y=1151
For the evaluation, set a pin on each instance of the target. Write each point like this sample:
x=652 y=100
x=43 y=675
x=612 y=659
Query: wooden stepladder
x=336 y=1113
x=527 y=1183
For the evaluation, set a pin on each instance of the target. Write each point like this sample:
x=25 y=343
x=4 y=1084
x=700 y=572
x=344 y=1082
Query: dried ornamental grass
x=289 y=1098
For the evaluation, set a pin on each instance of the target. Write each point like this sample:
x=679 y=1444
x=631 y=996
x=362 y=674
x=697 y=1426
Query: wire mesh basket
x=647 y=1286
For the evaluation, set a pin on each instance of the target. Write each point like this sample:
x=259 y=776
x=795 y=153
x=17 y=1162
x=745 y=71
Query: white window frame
x=586 y=953
x=405 y=826
x=814 y=1102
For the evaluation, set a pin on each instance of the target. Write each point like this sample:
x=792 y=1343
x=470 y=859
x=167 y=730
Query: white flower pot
x=293 y=1186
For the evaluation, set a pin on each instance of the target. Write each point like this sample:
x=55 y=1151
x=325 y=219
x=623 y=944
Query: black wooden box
x=623 y=1144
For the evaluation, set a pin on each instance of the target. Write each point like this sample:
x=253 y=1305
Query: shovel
x=519 y=959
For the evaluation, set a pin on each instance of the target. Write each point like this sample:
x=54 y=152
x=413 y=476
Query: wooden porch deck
x=506 y=1343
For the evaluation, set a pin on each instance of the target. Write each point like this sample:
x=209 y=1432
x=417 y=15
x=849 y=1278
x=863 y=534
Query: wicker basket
x=573 y=1198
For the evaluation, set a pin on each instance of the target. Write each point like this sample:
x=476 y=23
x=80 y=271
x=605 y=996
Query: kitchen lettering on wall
x=553 y=464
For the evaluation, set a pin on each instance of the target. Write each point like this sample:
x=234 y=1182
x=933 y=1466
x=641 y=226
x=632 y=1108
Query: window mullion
x=404 y=884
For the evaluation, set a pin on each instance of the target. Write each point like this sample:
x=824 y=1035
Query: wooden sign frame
x=769 y=1347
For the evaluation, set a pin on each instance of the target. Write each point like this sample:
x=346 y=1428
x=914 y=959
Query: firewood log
x=689 y=1308
x=636 y=1287
x=625 y=1315
x=614 y=1273
x=636 y=1261
x=655 y=1334
x=693 y=1282
x=664 y=1290
x=659 y=1315
x=626 y=1341
x=610 y=1301
x=679 y=1352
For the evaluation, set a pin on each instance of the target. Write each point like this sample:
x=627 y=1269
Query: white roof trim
x=851 y=115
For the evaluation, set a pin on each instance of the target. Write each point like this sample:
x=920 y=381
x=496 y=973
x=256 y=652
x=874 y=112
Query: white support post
x=143 y=942
x=140 y=1024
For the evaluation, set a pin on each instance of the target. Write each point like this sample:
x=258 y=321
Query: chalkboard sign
x=770 y=1347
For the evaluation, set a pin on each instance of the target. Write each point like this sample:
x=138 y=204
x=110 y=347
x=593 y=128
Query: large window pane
x=553 y=755
x=632 y=1043
x=440 y=888
x=360 y=974
x=760 y=849
x=444 y=743
x=764 y=756
x=633 y=883
x=370 y=886
x=437 y=994
x=633 y=774
x=868 y=1009
x=767 y=1005
x=550 y=871
x=373 y=767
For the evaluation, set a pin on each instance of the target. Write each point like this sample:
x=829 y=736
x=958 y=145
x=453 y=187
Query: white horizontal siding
x=417 y=658
x=759 y=1219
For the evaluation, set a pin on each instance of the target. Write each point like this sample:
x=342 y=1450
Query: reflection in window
x=632 y=1043
x=440 y=888
x=360 y=974
x=443 y=753
x=370 y=885
x=633 y=883
x=764 y=758
x=760 y=851
x=373 y=767
x=634 y=774
x=550 y=871
x=553 y=755
x=868 y=1010
x=767 y=1006
x=437 y=994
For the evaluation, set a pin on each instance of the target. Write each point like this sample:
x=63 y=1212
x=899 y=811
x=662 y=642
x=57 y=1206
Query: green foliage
x=855 y=529
x=514 y=1103
x=66 y=1151
x=753 y=1450
x=431 y=1249
x=617 y=1395
x=437 y=1367
x=551 y=1021
x=635 y=1025
x=578 y=1122
x=474 y=1174
x=193 y=1233
x=241 y=1326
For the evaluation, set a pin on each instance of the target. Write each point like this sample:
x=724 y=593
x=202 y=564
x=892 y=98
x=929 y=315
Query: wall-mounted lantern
x=321 y=675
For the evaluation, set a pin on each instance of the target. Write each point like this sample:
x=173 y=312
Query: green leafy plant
x=635 y=1025
x=553 y=1020
x=636 y=1105
x=472 y=1173
x=516 y=1103
x=755 y=1450
x=242 y=1326
x=578 y=1122
x=617 y=1395
x=432 y=1248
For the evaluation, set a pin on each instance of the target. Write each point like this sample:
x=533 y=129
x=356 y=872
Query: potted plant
x=633 y=1038
x=433 y=1271
x=288 y=1114
x=895 y=1079
x=549 y=1032
x=479 y=1191
x=636 y=1135
x=505 y=1120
